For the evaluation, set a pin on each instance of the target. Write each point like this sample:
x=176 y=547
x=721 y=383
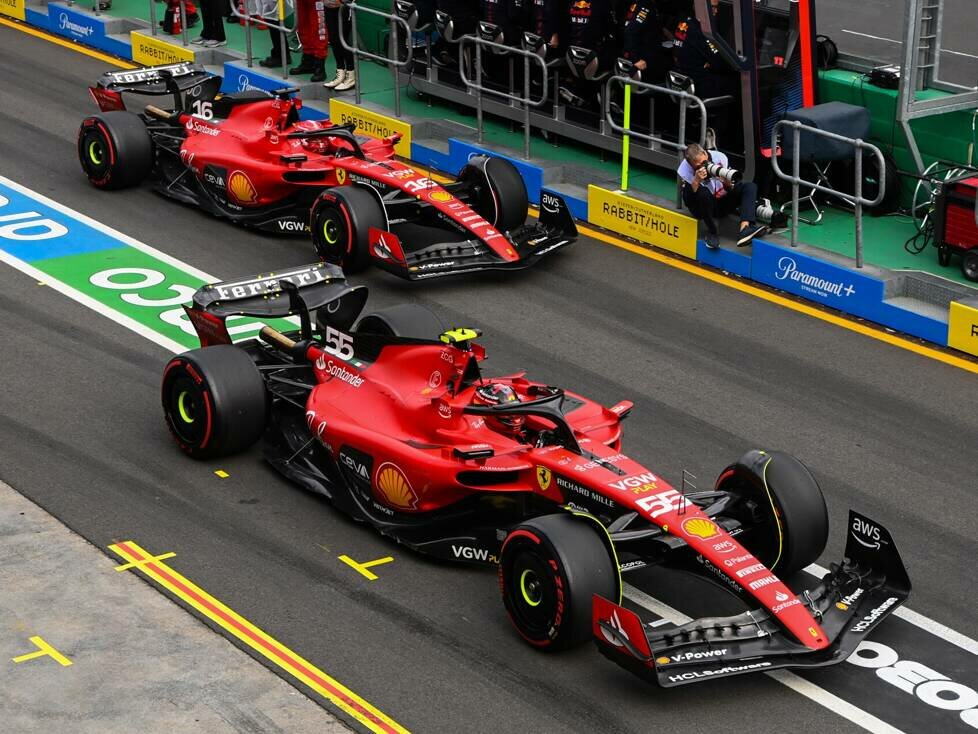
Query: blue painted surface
x=37 y=19
x=577 y=206
x=32 y=231
x=426 y=157
x=76 y=25
x=815 y=279
x=461 y=150
x=911 y=323
x=239 y=78
x=732 y=261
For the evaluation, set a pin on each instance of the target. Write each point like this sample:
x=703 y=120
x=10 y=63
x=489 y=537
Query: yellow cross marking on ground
x=222 y=474
x=43 y=649
x=362 y=567
x=150 y=559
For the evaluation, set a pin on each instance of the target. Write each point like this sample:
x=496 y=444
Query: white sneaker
x=214 y=44
x=199 y=41
x=338 y=79
x=348 y=83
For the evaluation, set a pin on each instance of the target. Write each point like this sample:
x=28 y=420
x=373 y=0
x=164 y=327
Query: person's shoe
x=231 y=19
x=348 y=83
x=319 y=73
x=213 y=43
x=711 y=139
x=274 y=62
x=749 y=232
x=198 y=41
x=712 y=241
x=103 y=5
x=192 y=20
x=306 y=66
x=338 y=79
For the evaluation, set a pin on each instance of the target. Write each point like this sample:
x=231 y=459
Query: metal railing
x=391 y=60
x=684 y=100
x=856 y=199
x=154 y=24
x=283 y=30
x=526 y=100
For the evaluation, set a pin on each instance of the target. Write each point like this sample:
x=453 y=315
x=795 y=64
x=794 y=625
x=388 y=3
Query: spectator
x=590 y=25
x=708 y=196
x=311 y=21
x=464 y=22
x=642 y=36
x=541 y=18
x=212 y=34
x=346 y=75
x=698 y=57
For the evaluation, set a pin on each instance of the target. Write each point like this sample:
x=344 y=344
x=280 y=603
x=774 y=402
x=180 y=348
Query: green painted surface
x=138 y=295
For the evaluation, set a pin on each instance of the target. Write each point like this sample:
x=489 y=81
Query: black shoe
x=712 y=241
x=192 y=20
x=319 y=73
x=306 y=66
x=231 y=19
x=274 y=62
x=749 y=232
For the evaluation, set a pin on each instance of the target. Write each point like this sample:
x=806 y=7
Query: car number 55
x=339 y=344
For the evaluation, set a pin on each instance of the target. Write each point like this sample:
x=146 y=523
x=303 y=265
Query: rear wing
x=173 y=79
x=293 y=292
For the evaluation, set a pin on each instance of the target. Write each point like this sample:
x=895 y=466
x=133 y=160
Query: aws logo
x=241 y=189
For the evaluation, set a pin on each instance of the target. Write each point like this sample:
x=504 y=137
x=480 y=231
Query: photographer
x=709 y=192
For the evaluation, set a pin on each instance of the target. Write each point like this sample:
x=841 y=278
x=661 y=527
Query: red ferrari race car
x=389 y=416
x=246 y=156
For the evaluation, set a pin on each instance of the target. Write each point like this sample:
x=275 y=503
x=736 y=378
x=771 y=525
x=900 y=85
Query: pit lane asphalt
x=712 y=371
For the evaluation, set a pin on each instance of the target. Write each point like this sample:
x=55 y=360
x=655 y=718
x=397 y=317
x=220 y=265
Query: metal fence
x=253 y=18
x=392 y=60
x=857 y=199
x=154 y=25
x=685 y=99
x=526 y=100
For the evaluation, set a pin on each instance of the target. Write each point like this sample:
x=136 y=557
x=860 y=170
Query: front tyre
x=115 y=150
x=550 y=568
x=498 y=191
x=781 y=508
x=214 y=401
x=341 y=222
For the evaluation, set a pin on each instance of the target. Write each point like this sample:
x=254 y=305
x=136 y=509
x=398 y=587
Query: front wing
x=851 y=600
x=554 y=231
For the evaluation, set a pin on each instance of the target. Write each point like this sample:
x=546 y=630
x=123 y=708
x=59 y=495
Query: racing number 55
x=339 y=344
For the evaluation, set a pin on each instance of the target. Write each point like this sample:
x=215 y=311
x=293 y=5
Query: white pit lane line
x=796 y=683
x=893 y=40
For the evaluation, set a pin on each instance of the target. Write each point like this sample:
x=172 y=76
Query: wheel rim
x=970 y=268
x=531 y=595
x=768 y=539
x=531 y=588
x=332 y=235
x=331 y=231
x=96 y=153
x=186 y=410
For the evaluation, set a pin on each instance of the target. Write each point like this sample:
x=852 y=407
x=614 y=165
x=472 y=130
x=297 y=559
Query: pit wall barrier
x=787 y=269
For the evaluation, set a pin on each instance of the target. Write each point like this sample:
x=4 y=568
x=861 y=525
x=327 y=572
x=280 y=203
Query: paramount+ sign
x=646 y=222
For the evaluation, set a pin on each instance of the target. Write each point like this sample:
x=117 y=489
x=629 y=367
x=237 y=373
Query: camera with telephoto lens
x=730 y=175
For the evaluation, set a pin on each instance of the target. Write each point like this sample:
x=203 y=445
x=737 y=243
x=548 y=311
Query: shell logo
x=340 y=175
x=841 y=605
x=544 y=475
x=700 y=527
x=663 y=661
x=442 y=196
x=241 y=188
x=394 y=488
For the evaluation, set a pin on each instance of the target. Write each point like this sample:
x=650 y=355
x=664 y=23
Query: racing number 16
x=338 y=343
x=203 y=110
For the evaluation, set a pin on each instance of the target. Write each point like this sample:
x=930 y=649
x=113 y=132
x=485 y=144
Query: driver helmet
x=495 y=393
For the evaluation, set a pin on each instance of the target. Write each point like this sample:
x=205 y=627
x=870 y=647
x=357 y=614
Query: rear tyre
x=969 y=265
x=214 y=401
x=114 y=149
x=549 y=570
x=782 y=509
x=341 y=222
x=405 y=320
x=498 y=191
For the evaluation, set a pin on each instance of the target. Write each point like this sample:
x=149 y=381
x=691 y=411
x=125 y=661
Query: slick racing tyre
x=115 y=149
x=341 y=221
x=498 y=191
x=549 y=570
x=405 y=319
x=214 y=401
x=781 y=507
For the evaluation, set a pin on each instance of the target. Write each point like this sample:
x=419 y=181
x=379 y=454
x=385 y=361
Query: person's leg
x=745 y=194
x=701 y=205
x=346 y=58
x=333 y=32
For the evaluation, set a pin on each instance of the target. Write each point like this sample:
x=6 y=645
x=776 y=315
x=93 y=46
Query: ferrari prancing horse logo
x=544 y=475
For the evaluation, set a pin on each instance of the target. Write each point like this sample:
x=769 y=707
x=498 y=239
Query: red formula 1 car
x=247 y=157
x=389 y=416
